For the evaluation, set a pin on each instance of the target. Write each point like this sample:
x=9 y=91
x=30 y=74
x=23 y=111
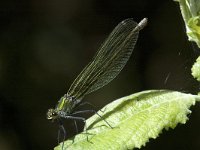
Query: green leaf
x=135 y=119
x=196 y=69
x=190 y=10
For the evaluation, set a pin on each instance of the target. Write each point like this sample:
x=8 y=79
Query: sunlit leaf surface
x=135 y=119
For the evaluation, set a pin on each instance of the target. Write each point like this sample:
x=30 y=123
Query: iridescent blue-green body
x=64 y=108
x=105 y=66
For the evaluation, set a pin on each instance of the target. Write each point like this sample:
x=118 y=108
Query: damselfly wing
x=109 y=60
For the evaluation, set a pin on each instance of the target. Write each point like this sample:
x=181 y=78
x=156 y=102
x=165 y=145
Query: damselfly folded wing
x=108 y=61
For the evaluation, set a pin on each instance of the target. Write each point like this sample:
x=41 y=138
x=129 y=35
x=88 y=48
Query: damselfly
x=105 y=66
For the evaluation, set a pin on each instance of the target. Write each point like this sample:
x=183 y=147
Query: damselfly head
x=51 y=114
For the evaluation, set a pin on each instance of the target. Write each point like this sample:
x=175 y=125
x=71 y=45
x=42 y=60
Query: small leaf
x=196 y=69
x=190 y=10
x=135 y=119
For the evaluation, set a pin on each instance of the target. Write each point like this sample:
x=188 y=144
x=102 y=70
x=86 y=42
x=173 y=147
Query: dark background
x=45 y=44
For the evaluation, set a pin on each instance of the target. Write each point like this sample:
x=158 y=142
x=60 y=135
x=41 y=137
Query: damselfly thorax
x=65 y=106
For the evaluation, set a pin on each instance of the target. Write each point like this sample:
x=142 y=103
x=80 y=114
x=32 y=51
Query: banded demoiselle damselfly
x=109 y=60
